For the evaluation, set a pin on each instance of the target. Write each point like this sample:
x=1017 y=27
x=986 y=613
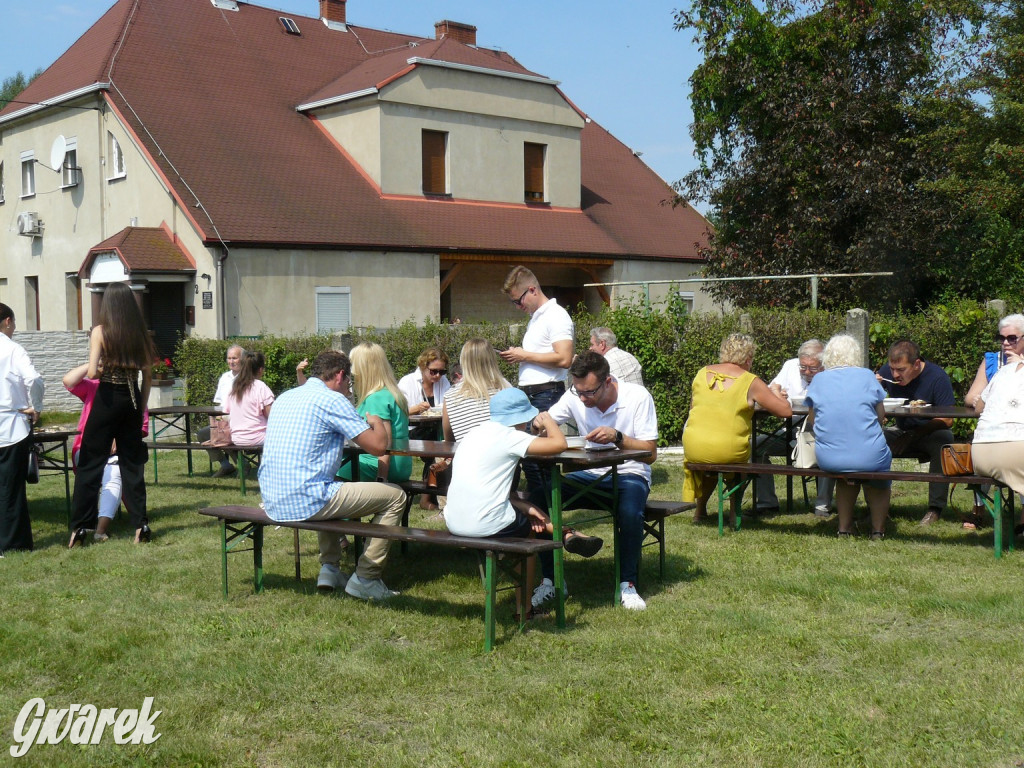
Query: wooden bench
x=654 y=525
x=747 y=472
x=246 y=454
x=245 y=524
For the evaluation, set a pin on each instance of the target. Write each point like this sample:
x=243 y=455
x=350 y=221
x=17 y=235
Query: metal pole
x=814 y=292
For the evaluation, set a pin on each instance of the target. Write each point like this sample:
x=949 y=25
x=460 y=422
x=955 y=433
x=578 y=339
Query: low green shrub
x=671 y=345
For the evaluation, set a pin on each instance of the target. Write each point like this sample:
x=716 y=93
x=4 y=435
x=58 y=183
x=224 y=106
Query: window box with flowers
x=163 y=370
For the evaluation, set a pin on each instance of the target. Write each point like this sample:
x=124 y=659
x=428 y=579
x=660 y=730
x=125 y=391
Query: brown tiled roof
x=212 y=96
x=142 y=250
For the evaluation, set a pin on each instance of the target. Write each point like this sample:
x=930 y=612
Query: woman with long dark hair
x=119 y=349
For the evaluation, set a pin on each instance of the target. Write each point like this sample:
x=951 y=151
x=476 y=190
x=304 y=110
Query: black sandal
x=877 y=535
x=844 y=534
x=77 y=538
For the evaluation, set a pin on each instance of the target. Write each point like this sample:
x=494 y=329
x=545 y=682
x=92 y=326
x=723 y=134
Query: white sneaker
x=368 y=590
x=330 y=578
x=543 y=599
x=631 y=601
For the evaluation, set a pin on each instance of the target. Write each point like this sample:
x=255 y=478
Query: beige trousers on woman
x=1001 y=461
x=353 y=501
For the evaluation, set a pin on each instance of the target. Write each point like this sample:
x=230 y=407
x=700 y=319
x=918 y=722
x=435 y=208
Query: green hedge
x=670 y=344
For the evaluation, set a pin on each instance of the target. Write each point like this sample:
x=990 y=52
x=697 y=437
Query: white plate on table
x=600 y=446
x=894 y=402
x=576 y=442
x=798 y=401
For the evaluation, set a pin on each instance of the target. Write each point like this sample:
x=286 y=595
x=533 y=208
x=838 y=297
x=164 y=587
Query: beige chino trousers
x=353 y=501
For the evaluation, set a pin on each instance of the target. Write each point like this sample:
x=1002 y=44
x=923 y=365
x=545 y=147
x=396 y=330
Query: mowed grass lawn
x=777 y=646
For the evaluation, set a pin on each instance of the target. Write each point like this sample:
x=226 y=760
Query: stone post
x=997 y=307
x=857 y=323
x=746 y=323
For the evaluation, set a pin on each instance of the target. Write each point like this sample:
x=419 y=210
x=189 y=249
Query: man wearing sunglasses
x=610 y=413
x=913 y=437
x=545 y=354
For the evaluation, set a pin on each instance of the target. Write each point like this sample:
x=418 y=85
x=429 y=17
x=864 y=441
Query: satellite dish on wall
x=57 y=152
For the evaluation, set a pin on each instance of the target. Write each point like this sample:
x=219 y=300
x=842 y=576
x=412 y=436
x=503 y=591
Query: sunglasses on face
x=519 y=302
x=437 y=371
x=1009 y=339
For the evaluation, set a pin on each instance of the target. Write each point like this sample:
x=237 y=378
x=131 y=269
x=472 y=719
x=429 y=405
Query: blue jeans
x=629 y=519
x=537 y=478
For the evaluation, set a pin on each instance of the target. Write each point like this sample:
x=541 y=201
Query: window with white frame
x=28 y=173
x=687 y=300
x=333 y=309
x=69 y=170
x=115 y=158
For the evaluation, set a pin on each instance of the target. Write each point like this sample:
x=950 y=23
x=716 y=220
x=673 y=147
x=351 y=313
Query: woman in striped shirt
x=468 y=403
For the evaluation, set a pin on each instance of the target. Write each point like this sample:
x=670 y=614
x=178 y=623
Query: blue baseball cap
x=511 y=406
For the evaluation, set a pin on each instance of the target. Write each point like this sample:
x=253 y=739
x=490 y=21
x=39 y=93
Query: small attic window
x=225 y=5
x=289 y=25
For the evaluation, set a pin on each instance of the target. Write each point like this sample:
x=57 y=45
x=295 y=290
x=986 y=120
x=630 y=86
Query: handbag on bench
x=956 y=459
x=803 y=452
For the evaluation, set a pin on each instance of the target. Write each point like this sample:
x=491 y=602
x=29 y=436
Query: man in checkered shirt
x=306 y=433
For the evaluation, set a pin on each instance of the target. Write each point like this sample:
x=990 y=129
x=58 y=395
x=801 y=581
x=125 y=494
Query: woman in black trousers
x=119 y=349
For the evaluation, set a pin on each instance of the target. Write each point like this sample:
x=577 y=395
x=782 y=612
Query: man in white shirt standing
x=546 y=351
x=792 y=383
x=609 y=412
x=224 y=383
x=624 y=366
x=21 y=400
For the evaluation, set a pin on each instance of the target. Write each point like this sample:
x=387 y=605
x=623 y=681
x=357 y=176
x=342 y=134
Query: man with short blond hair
x=546 y=351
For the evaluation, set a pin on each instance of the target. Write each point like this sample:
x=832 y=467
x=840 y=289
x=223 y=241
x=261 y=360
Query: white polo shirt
x=550 y=323
x=632 y=414
x=20 y=387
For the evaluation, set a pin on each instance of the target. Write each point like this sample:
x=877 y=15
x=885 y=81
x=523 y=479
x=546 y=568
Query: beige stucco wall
x=476 y=291
x=355 y=125
x=487 y=118
x=624 y=271
x=275 y=290
x=78 y=218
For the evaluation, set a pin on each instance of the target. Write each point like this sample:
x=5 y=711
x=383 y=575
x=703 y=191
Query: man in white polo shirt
x=611 y=412
x=545 y=354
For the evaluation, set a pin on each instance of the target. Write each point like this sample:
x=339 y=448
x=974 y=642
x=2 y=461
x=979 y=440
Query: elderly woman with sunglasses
x=1011 y=344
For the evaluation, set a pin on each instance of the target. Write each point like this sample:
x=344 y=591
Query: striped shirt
x=306 y=433
x=464 y=413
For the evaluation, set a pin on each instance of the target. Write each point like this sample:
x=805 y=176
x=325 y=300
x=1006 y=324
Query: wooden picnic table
x=560 y=465
x=169 y=417
x=54 y=456
x=801 y=411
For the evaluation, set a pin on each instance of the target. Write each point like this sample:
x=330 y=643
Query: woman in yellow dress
x=717 y=430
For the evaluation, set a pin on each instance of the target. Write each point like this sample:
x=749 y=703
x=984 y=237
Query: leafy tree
x=14 y=85
x=806 y=122
x=980 y=129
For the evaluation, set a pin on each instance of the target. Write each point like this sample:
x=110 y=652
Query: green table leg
x=556 y=525
x=224 y=554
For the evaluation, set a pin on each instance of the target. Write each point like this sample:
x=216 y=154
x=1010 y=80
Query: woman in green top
x=377 y=392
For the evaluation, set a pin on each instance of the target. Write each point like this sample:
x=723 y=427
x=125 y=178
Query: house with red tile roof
x=248 y=172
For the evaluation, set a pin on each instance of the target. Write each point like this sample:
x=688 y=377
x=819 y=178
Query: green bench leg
x=490 y=600
x=156 y=473
x=243 y=468
x=248 y=531
x=724 y=494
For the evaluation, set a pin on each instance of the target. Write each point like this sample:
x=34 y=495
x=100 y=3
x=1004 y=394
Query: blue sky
x=622 y=63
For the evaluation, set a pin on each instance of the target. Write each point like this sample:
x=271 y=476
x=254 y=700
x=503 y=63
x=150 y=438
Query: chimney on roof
x=332 y=13
x=455 y=30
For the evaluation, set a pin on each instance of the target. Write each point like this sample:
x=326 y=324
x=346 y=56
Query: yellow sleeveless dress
x=718 y=428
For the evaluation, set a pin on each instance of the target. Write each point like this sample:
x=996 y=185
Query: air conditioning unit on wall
x=29 y=224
